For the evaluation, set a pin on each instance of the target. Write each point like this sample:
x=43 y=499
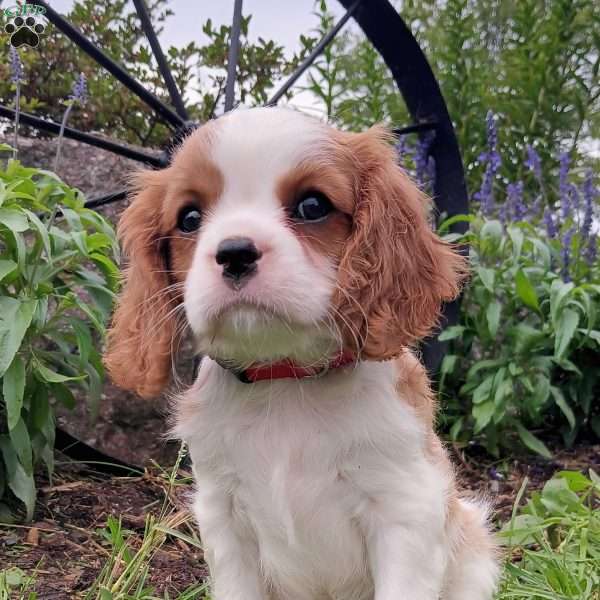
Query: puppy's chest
x=286 y=470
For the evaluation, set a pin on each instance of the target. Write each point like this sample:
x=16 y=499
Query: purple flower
x=423 y=160
x=79 y=91
x=565 y=253
x=485 y=195
x=536 y=208
x=504 y=213
x=401 y=148
x=492 y=156
x=589 y=195
x=551 y=227
x=533 y=163
x=514 y=192
x=16 y=66
x=591 y=249
x=492 y=160
x=564 y=187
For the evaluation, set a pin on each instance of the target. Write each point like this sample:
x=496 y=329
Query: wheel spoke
x=233 y=56
x=416 y=128
x=169 y=116
x=176 y=99
x=316 y=52
x=106 y=199
x=81 y=136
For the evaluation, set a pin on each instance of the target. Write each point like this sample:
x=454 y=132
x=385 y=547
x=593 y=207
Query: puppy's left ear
x=395 y=272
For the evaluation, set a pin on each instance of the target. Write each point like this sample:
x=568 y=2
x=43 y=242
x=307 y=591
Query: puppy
x=302 y=261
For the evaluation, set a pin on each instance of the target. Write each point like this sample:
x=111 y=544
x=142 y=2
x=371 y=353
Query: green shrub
x=522 y=356
x=555 y=542
x=57 y=282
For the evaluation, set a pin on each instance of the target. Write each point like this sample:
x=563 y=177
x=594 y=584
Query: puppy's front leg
x=407 y=563
x=230 y=549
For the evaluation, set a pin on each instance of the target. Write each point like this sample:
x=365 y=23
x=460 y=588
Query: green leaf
x=456 y=428
x=557 y=497
x=13 y=387
x=493 y=316
x=482 y=413
x=483 y=390
x=543 y=253
x=12 y=332
x=532 y=442
x=487 y=277
x=451 y=333
x=63 y=395
x=42 y=231
x=562 y=403
x=565 y=329
x=84 y=340
x=516 y=236
x=448 y=364
x=541 y=391
x=40 y=407
x=559 y=290
x=576 y=481
x=526 y=291
x=6 y=267
x=50 y=376
x=19 y=436
x=21 y=484
x=487 y=363
x=492 y=230
x=14 y=219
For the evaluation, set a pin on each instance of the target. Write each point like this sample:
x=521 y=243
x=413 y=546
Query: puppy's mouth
x=245 y=308
x=245 y=331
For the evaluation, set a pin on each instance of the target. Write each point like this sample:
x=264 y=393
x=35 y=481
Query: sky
x=280 y=20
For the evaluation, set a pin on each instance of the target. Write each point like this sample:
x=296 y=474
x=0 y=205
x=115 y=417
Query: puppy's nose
x=238 y=257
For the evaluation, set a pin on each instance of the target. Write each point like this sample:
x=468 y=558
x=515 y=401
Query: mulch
x=66 y=546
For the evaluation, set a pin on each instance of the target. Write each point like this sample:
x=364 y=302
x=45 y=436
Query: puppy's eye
x=189 y=219
x=312 y=207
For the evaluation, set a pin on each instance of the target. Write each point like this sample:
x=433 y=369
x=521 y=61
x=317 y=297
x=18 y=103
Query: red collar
x=286 y=369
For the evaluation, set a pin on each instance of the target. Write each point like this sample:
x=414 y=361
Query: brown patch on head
x=394 y=272
x=148 y=319
x=329 y=236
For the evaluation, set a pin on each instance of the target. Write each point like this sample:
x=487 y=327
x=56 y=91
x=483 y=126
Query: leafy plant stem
x=61 y=135
x=17 y=117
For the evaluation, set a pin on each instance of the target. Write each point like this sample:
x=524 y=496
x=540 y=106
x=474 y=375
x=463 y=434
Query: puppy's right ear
x=142 y=335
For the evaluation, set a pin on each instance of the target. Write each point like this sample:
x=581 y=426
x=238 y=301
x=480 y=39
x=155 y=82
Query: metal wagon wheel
x=390 y=36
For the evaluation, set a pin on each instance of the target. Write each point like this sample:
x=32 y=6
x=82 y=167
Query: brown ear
x=142 y=335
x=395 y=272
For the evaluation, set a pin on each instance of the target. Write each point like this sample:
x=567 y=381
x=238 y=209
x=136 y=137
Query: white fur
x=253 y=149
x=318 y=489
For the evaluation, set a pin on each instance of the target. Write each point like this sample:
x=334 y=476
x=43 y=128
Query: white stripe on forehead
x=254 y=147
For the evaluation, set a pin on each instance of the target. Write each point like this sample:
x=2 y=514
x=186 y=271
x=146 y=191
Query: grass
x=554 y=542
x=125 y=573
x=552 y=548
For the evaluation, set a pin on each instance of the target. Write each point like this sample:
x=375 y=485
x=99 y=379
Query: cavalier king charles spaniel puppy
x=301 y=259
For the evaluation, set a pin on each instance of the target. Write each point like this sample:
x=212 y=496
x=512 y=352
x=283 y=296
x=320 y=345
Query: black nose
x=238 y=257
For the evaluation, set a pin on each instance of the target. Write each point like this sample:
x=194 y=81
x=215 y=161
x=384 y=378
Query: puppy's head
x=273 y=235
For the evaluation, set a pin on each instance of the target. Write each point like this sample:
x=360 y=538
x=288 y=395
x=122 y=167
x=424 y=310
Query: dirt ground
x=65 y=547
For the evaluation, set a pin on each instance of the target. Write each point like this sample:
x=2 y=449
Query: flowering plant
x=522 y=355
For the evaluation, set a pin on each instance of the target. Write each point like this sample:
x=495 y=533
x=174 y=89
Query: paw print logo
x=24 y=32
